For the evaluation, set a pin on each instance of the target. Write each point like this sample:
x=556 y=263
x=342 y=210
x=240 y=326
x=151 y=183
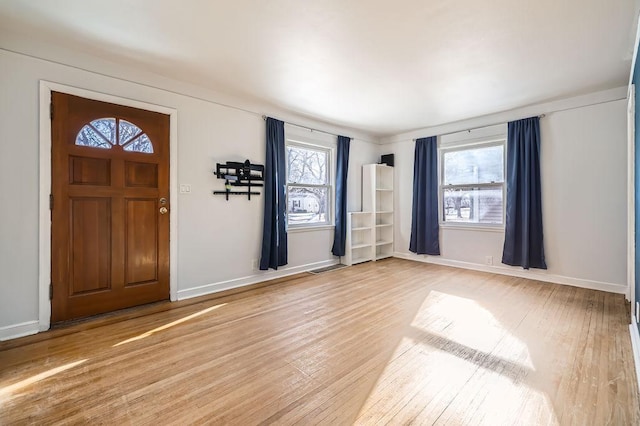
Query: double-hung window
x=472 y=189
x=308 y=185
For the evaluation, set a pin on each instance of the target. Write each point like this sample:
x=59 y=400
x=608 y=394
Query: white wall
x=584 y=181
x=217 y=239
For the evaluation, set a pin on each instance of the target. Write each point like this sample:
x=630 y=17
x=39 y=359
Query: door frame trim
x=44 y=231
x=631 y=201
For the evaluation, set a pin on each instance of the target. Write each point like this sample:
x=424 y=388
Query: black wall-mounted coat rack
x=239 y=174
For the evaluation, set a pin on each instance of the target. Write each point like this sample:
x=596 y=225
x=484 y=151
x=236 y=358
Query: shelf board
x=358 y=246
x=383 y=256
x=384 y=189
x=384 y=212
x=360 y=260
x=362 y=228
x=357 y=213
x=382 y=225
x=382 y=243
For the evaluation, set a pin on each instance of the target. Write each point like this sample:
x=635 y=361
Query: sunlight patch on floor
x=6 y=391
x=169 y=325
x=456 y=354
x=503 y=400
x=465 y=322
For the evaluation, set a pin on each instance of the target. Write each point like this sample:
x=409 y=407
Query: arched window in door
x=106 y=133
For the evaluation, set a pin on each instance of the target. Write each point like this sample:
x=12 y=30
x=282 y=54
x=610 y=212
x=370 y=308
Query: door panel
x=143 y=175
x=141 y=238
x=110 y=242
x=89 y=171
x=90 y=245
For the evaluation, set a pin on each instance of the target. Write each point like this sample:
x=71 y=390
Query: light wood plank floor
x=391 y=342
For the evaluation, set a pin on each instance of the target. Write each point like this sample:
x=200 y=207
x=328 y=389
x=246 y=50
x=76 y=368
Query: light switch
x=185 y=189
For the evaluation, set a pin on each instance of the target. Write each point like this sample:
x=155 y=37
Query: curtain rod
x=474 y=128
x=264 y=117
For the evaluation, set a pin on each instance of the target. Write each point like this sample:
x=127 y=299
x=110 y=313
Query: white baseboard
x=521 y=273
x=635 y=346
x=33 y=327
x=19 y=330
x=253 y=279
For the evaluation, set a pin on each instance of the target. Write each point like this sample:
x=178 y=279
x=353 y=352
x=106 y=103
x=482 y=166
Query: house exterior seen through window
x=308 y=185
x=472 y=189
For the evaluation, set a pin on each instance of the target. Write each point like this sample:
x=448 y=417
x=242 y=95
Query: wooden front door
x=110 y=207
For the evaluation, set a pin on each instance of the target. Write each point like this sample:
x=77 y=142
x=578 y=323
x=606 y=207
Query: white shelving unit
x=359 y=241
x=377 y=198
x=370 y=232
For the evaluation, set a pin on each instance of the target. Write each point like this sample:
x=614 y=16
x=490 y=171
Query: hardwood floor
x=391 y=342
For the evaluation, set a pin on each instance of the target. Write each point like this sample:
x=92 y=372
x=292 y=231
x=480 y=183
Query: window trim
x=463 y=145
x=329 y=223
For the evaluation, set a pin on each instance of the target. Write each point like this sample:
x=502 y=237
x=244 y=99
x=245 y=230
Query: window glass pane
x=107 y=128
x=127 y=131
x=140 y=144
x=306 y=166
x=307 y=205
x=89 y=137
x=475 y=165
x=473 y=205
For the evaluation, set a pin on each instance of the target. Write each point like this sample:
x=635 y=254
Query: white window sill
x=311 y=228
x=472 y=227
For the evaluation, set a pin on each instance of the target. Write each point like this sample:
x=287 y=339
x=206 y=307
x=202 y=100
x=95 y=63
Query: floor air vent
x=327 y=269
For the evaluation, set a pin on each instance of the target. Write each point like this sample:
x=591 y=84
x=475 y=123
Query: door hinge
x=50 y=291
x=50 y=201
x=51 y=110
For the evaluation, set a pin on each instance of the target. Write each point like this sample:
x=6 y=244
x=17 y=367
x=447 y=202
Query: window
x=472 y=183
x=102 y=134
x=308 y=185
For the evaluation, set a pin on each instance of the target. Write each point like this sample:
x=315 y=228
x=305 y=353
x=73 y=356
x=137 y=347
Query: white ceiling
x=376 y=65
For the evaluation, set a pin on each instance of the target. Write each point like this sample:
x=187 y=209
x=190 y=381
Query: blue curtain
x=340 y=232
x=523 y=230
x=425 y=229
x=274 y=230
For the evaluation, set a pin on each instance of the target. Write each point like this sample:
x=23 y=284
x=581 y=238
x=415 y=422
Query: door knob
x=163 y=210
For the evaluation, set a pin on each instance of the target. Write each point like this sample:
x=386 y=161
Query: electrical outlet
x=488 y=260
x=254 y=264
